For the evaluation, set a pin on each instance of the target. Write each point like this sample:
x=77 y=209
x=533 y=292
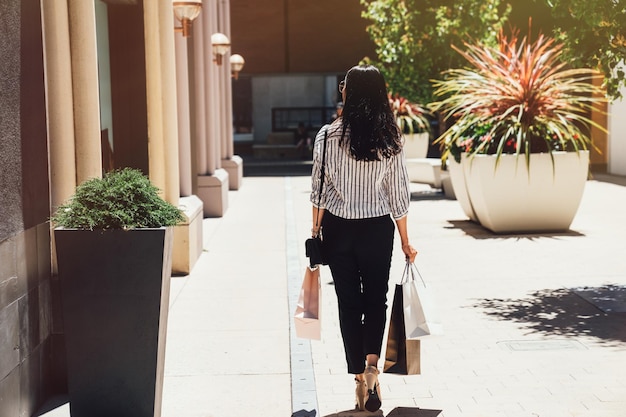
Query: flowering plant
x=518 y=97
x=410 y=117
x=470 y=140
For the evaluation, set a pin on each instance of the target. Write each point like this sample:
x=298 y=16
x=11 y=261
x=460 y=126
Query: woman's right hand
x=409 y=252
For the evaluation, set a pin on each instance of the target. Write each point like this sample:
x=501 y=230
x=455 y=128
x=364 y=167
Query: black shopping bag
x=402 y=355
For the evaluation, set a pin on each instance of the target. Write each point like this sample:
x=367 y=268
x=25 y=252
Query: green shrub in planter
x=122 y=199
x=113 y=244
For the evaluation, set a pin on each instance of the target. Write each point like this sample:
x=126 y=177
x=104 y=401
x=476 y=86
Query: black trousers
x=359 y=257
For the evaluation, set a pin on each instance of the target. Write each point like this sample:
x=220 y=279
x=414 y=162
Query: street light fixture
x=185 y=12
x=236 y=64
x=221 y=45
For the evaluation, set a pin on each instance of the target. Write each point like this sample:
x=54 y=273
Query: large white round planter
x=416 y=145
x=507 y=199
x=457 y=178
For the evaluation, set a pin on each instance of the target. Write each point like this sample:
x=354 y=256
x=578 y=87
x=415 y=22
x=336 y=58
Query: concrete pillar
x=199 y=96
x=170 y=103
x=226 y=83
x=212 y=87
x=233 y=164
x=154 y=95
x=82 y=22
x=161 y=97
x=212 y=179
x=59 y=100
x=188 y=235
x=184 y=122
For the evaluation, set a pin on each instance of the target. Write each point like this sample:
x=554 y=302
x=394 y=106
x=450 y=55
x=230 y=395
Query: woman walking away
x=365 y=185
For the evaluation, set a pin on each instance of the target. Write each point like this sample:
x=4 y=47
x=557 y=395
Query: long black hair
x=374 y=133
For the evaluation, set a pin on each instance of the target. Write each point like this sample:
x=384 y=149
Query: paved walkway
x=519 y=342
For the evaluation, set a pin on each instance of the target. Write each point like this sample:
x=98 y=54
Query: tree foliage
x=413 y=38
x=594 y=34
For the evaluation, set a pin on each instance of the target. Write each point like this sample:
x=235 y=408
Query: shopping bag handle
x=410 y=272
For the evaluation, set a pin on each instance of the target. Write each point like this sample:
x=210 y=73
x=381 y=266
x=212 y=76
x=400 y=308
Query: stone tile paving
x=228 y=332
x=519 y=342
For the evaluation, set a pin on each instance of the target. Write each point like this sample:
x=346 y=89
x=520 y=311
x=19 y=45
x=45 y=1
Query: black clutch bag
x=315 y=251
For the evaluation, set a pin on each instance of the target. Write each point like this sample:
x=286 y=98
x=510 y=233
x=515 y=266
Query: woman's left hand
x=409 y=252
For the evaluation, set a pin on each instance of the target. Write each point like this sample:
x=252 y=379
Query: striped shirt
x=358 y=189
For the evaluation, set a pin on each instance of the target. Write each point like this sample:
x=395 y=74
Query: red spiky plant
x=520 y=96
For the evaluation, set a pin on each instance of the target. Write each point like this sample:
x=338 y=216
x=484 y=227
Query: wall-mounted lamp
x=236 y=64
x=221 y=45
x=186 y=11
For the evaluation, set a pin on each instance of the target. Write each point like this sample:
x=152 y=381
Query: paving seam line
x=303 y=391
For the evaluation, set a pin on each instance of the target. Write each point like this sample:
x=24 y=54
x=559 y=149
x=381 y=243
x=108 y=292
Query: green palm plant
x=520 y=96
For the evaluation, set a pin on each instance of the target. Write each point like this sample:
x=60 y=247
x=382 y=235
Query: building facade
x=295 y=54
x=86 y=87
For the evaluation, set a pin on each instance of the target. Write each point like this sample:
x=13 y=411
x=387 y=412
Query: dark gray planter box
x=115 y=293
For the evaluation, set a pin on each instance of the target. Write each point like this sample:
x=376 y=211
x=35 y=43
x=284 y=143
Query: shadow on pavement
x=432 y=194
x=563 y=312
x=396 y=412
x=476 y=231
x=413 y=412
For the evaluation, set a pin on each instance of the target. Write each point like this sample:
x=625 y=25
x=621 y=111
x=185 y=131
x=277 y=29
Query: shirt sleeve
x=318 y=149
x=396 y=186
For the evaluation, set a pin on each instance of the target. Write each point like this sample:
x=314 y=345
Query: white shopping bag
x=420 y=311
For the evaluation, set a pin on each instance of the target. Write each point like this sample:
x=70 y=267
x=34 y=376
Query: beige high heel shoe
x=361 y=394
x=373 y=401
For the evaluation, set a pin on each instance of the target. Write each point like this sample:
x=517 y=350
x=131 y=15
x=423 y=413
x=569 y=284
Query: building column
x=198 y=115
x=59 y=104
x=88 y=148
x=163 y=130
x=154 y=100
x=212 y=89
x=187 y=235
x=212 y=179
x=184 y=123
x=233 y=164
x=170 y=102
x=161 y=98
